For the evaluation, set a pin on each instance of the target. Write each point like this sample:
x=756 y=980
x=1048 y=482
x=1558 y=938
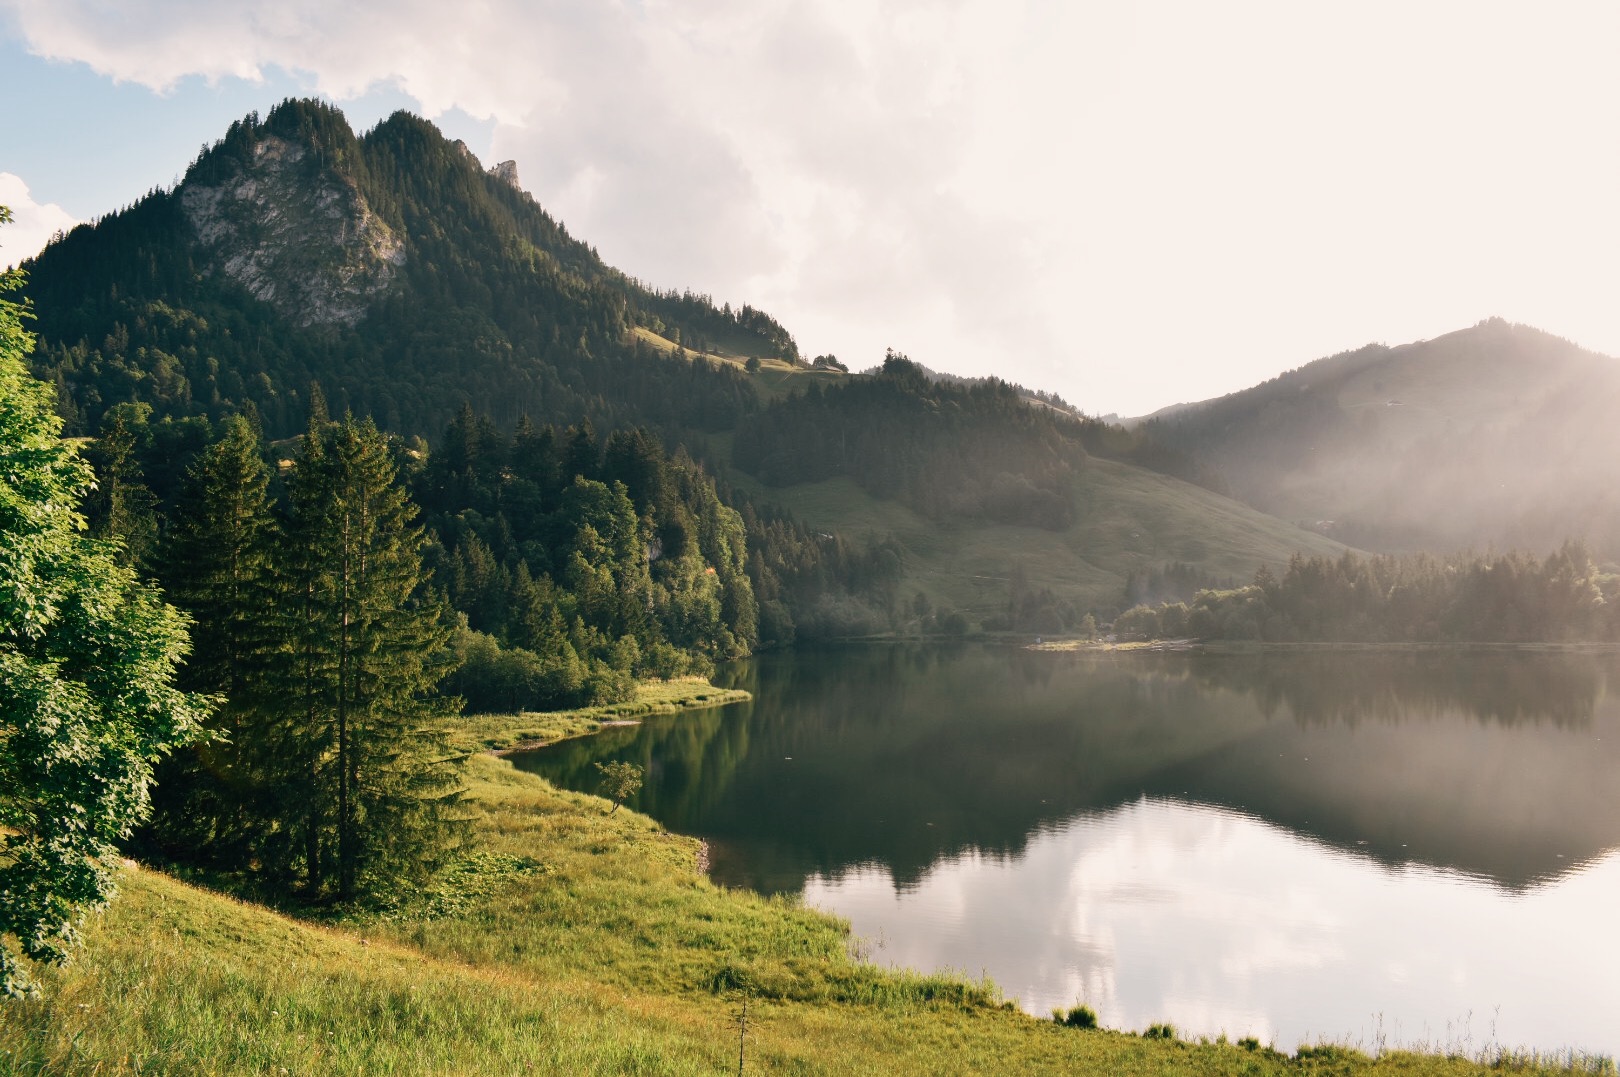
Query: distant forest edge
x=1471 y=598
x=596 y=499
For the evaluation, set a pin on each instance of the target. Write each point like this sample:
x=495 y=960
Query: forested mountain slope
x=390 y=267
x=1020 y=516
x=1496 y=435
x=415 y=287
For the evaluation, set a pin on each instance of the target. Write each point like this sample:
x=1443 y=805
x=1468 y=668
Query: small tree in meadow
x=621 y=780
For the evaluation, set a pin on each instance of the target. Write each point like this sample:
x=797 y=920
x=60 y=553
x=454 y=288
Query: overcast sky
x=1132 y=204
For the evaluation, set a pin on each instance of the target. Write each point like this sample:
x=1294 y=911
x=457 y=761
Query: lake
x=1381 y=849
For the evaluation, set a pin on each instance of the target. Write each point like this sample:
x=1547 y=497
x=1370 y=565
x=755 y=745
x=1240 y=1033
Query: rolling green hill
x=407 y=281
x=1129 y=519
x=1496 y=435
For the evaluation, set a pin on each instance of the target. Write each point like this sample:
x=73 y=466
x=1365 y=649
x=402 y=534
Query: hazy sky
x=1129 y=203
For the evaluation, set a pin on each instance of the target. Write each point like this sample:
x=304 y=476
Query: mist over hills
x=409 y=283
x=1498 y=435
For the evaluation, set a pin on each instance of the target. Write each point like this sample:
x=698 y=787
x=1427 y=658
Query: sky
x=1130 y=204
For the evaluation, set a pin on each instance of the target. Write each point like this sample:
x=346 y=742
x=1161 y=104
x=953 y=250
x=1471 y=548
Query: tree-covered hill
x=1499 y=434
x=412 y=286
x=389 y=267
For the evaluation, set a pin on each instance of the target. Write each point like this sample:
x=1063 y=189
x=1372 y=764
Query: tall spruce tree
x=217 y=558
x=375 y=789
x=211 y=802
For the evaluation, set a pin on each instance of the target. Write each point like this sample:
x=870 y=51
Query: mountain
x=413 y=285
x=390 y=267
x=1018 y=514
x=1498 y=435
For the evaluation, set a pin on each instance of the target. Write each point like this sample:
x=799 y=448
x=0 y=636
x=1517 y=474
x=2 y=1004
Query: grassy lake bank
x=566 y=940
x=504 y=733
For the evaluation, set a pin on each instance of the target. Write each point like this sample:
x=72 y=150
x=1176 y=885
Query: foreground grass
x=572 y=941
x=503 y=732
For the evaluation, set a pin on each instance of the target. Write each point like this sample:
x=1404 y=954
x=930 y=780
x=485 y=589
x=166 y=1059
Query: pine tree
x=212 y=802
x=121 y=507
x=366 y=651
x=217 y=557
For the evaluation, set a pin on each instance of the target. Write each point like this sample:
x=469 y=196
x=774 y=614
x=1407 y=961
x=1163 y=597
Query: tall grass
x=579 y=943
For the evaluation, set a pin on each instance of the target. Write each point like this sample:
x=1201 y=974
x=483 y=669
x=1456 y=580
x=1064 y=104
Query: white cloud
x=800 y=156
x=1128 y=203
x=32 y=224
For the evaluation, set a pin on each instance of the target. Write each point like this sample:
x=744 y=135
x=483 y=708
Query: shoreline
x=507 y=734
x=1232 y=647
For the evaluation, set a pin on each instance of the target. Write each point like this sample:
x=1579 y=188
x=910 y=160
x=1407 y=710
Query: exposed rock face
x=507 y=172
x=310 y=247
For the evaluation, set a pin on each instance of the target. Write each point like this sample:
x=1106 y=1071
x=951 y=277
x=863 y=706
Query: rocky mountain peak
x=294 y=232
x=507 y=172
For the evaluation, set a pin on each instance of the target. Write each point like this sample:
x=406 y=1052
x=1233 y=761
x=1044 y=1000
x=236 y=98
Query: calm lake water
x=1380 y=849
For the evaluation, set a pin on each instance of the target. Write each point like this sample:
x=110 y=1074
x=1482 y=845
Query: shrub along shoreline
x=565 y=939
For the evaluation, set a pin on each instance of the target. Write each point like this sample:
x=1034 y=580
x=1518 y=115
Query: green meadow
x=564 y=939
x=1128 y=519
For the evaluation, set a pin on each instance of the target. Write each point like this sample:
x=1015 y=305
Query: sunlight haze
x=1130 y=206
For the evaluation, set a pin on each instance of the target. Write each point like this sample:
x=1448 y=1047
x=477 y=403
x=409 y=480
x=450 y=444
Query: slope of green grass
x=596 y=948
x=775 y=378
x=1129 y=519
x=475 y=732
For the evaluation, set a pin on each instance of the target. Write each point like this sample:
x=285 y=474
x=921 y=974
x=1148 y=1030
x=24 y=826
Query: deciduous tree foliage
x=87 y=693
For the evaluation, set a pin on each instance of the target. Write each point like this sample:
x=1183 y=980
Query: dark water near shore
x=1383 y=849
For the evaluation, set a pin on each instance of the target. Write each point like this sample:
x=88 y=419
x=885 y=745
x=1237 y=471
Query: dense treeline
x=693 y=321
x=974 y=450
x=815 y=585
x=318 y=631
x=579 y=564
x=694 y=580
x=492 y=303
x=949 y=448
x=1509 y=598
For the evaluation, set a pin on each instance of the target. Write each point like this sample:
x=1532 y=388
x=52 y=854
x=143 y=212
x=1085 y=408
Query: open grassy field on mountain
x=573 y=942
x=1127 y=519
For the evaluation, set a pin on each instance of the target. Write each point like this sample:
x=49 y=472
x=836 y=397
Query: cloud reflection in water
x=1167 y=910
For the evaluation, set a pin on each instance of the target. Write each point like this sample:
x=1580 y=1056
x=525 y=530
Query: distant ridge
x=1497 y=435
x=410 y=282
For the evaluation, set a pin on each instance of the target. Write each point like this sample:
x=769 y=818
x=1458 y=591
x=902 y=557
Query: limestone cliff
x=506 y=172
x=296 y=235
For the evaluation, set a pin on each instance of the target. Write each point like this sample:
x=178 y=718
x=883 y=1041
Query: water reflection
x=1221 y=923
x=1255 y=815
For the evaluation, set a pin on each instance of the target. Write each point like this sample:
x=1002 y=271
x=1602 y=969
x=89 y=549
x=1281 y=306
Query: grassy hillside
x=775 y=378
x=1499 y=434
x=1128 y=519
x=574 y=941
